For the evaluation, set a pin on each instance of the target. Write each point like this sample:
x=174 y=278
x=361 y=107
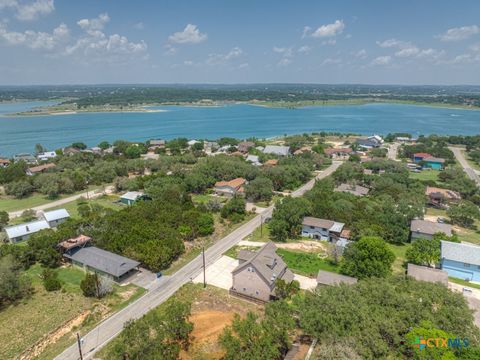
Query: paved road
x=168 y=285
x=472 y=174
x=393 y=151
x=90 y=194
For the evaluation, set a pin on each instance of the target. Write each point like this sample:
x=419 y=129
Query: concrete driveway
x=219 y=274
x=143 y=278
x=472 y=297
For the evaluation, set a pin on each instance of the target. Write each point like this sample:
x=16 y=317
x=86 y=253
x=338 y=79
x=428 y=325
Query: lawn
x=307 y=264
x=31 y=319
x=107 y=201
x=8 y=203
x=463 y=282
x=399 y=251
x=205 y=198
x=425 y=175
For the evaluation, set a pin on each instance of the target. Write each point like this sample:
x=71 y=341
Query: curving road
x=472 y=174
x=166 y=286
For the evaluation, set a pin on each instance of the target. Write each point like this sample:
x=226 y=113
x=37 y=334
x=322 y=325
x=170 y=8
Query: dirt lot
x=212 y=311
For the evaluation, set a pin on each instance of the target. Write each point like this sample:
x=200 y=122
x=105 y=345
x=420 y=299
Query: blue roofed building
x=461 y=260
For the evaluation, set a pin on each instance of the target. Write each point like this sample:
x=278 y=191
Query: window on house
x=253 y=269
x=466 y=265
x=256 y=292
x=312 y=227
x=244 y=289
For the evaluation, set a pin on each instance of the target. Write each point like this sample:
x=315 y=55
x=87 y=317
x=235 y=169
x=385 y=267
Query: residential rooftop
x=430 y=227
x=461 y=252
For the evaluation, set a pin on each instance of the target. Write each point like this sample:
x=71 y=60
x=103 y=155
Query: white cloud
x=460 y=33
x=361 y=54
x=139 y=26
x=28 y=11
x=304 y=49
x=329 y=42
x=243 y=66
x=406 y=49
x=382 y=60
x=36 y=40
x=188 y=63
x=329 y=30
x=306 y=31
x=170 y=50
x=331 y=61
x=286 y=52
x=95 y=45
x=284 y=62
x=219 y=59
x=475 y=47
x=93 y=25
x=190 y=35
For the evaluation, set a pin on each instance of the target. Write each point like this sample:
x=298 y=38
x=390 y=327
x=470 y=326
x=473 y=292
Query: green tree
x=287 y=217
x=13 y=284
x=424 y=252
x=133 y=151
x=426 y=330
x=259 y=189
x=79 y=145
x=4 y=218
x=104 y=145
x=234 y=209
x=90 y=285
x=39 y=149
x=464 y=213
x=285 y=290
x=50 y=280
x=367 y=257
x=19 y=189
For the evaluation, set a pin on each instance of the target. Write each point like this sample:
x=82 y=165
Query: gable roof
x=56 y=214
x=26 y=228
x=356 y=190
x=276 y=150
x=103 y=260
x=422 y=155
x=132 y=195
x=268 y=264
x=330 y=278
x=461 y=252
x=321 y=223
x=423 y=273
x=434 y=159
x=40 y=168
x=235 y=183
x=430 y=227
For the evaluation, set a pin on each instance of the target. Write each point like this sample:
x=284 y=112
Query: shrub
x=51 y=282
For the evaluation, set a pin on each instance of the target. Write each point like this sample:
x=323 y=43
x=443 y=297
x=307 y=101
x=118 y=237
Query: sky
x=407 y=42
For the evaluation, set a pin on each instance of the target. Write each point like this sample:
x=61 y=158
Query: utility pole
x=204 y=276
x=79 y=346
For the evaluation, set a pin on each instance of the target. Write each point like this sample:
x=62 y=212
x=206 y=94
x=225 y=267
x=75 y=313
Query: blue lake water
x=20 y=134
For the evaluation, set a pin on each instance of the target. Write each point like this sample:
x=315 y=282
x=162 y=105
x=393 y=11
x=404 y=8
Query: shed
x=423 y=273
x=129 y=198
x=331 y=278
x=56 y=217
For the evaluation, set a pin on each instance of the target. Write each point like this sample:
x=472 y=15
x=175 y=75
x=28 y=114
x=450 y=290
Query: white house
x=129 y=198
x=56 y=217
x=326 y=230
x=254 y=160
x=45 y=156
x=22 y=232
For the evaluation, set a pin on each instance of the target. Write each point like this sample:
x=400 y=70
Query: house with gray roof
x=129 y=198
x=461 y=260
x=356 y=190
x=333 y=279
x=55 y=217
x=423 y=229
x=424 y=273
x=255 y=276
x=277 y=150
x=103 y=262
x=22 y=232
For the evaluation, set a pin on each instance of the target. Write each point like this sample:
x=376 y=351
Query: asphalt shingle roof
x=461 y=252
x=103 y=260
x=430 y=227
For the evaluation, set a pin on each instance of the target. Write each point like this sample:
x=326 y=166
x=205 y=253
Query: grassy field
x=463 y=282
x=464 y=234
x=431 y=175
x=470 y=161
x=399 y=251
x=204 y=198
x=307 y=264
x=108 y=201
x=8 y=203
x=27 y=322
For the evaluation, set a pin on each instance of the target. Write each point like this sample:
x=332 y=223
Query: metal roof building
x=21 y=232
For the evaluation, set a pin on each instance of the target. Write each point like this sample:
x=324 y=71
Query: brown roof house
x=254 y=278
x=244 y=146
x=423 y=229
x=40 y=169
x=230 y=188
x=338 y=153
x=4 y=162
x=439 y=197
